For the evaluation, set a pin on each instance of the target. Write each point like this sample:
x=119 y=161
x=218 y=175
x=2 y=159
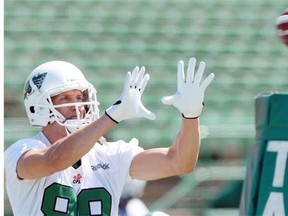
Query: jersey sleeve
x=14 y=152
x=135 y=149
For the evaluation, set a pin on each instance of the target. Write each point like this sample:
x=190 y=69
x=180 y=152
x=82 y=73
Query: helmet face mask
x=51 y=79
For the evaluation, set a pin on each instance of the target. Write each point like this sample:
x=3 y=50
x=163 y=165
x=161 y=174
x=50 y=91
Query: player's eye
x=80 y=98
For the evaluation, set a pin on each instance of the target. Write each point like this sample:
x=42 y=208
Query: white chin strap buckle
x=73 y=124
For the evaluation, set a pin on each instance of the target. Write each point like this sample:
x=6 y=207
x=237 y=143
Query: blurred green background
x=105 y=39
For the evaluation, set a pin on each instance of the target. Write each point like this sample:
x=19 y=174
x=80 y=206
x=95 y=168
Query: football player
x=69 y=168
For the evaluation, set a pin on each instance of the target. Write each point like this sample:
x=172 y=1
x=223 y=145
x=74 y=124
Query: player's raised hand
x=190 y=91
x=129 y=104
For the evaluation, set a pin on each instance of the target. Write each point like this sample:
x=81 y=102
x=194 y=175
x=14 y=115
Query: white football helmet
x=50 y=79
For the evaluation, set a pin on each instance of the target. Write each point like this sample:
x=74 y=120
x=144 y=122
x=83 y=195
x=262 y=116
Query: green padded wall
x=265 y=188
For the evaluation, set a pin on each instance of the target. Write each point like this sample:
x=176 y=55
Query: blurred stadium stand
x=105 y=39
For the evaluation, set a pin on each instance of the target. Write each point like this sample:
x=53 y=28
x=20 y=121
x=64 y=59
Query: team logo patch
x=77 y=179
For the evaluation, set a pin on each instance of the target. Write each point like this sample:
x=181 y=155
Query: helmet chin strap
x=72 y=125
x=69 y=129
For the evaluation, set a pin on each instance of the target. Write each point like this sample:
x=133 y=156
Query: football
x=282 y=27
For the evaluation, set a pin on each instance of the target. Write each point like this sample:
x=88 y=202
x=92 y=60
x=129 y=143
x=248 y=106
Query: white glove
x=129 y=104
x=190 y=92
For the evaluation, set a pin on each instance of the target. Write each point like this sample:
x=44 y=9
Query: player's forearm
x=64 y=153
x=70 y=149
x=186 y=146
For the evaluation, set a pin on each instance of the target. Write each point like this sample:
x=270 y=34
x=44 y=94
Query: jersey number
x=62 y=200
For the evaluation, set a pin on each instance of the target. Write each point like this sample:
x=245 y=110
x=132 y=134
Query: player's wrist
x=111 y=117
x=185 y=117
x=195 y=114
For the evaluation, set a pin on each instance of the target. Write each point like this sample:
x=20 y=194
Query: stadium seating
x=105 y=39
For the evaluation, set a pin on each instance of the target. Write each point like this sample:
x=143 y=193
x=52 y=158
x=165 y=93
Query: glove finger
x=207 y=81
x=191 y=70
x=180 y=73
x=134 y=76
x=139 y=77
x=147 y=114
x=143 y=83
x=168 y=100
x=127 y=81
x=199 y=73
x=150 y=115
